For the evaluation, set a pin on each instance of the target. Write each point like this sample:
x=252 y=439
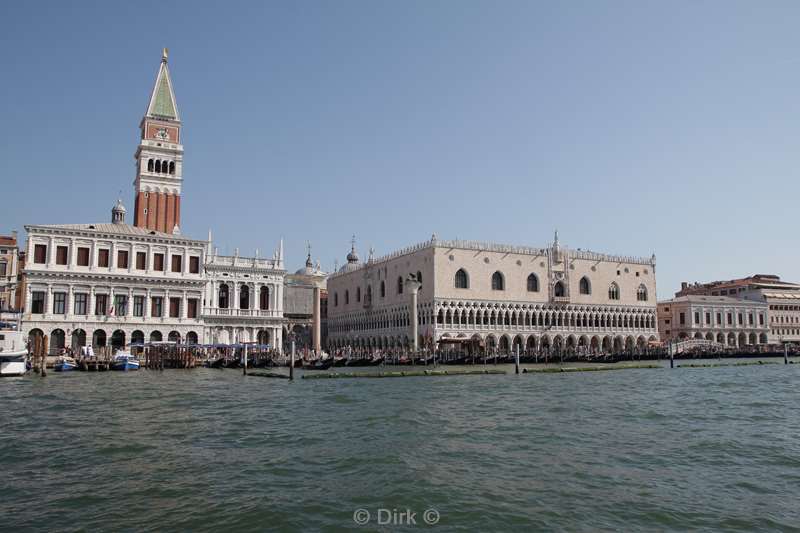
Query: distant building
x=494 y=297
x=116 y=283
x=725 y=320
x=9 y=270
x=303 y=288
x=782 y=298
x=244 y=298
x=112 y=284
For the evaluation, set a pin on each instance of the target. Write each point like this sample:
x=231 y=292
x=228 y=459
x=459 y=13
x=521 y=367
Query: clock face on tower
x=161 y=134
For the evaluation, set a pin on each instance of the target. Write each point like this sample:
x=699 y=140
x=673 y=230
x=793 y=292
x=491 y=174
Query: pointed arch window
x=613 y=292
x=158 y=165
x=383 y=289
x=462 y=280
x=498 y=282
x=335 y=299
x=358 y=294
x=558 y=289
x=150 y=165
x=346 y=297
x=419 y=278
x=533 y=283
x=369 y=294
x=641 y=293
x=172 y=167
x=400 y=285
x=585 y=286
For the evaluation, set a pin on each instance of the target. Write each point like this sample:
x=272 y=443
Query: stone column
x=129 y=307
x=317 y=323
x=147 y=306
x=412 y=285
x=48 y=305
x=184 y=306
x=92 y=302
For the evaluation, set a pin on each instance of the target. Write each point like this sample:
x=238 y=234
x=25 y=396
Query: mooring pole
x=291 y=363
x=45 y=346
x=245 y=361
x=785 y=353
x=516 y=361
x=671 y=356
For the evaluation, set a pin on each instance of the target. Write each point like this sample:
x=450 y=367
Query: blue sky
x=633 y=127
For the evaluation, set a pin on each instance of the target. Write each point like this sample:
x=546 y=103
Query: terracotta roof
x=7 y=241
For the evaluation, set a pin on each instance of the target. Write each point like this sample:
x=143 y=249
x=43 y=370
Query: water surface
x=211 y=450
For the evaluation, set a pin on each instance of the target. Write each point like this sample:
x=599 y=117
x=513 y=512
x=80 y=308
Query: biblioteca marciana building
x=491 y=297
x=115 y=283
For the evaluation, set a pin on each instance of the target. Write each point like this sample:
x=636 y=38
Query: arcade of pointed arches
x=386 y=328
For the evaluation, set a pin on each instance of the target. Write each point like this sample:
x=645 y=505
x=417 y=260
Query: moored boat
x=65 y=363
x=124 y=361
x=13 y=353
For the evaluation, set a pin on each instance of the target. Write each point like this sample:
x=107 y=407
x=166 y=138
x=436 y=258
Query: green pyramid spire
x=162 y=101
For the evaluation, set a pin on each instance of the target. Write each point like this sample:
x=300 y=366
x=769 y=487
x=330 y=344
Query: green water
x=210 y=450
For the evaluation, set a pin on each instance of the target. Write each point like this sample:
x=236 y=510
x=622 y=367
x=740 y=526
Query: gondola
x=340 y=361
x=320 y=364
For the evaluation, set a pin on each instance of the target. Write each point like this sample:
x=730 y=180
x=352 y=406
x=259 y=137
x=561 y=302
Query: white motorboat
x=13 y=353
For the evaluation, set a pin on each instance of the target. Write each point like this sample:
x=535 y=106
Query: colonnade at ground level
x=506 y=343
x=117 y=338
x=735 y=339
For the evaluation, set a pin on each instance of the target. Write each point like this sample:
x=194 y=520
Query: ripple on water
x=205 y=450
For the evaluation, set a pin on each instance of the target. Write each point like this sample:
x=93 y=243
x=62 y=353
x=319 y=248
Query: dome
x=118 y=213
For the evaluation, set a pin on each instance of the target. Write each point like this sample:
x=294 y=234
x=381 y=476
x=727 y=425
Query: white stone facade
x=9 y=265
x=244 y=299
x=499 y=296
x=731 y=322
x=112 y=284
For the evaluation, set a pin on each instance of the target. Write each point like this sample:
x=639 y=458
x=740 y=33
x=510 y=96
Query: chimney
x=684 y=285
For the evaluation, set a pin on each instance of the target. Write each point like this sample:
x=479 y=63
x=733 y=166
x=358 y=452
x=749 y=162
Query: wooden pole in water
x=291 y=363
x=516 y=361
x=244 y=371
x=785 y=353
x=671 y=356
x=44 y=356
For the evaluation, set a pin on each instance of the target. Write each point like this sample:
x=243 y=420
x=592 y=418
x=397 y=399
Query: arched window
x=244 y=297
x=158 y=165
x=150 y=165
x=383 y=289
x=400 y=285
x=172 y=167
x=346 y=297
x=335 y=299
x=419 y=278
x=498 y=283
x=533 y=283
x=358 y=294
x=369 y=294
x=264 y=298
x=641 y=293
x=223 y=296
x=558 y=289
x=462 y=281
x=585 y=286
x=613 y=292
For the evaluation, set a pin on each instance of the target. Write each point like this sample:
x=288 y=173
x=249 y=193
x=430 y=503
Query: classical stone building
x=731 y=322
x=244 y=298
x=305 y=303
x=112 y=284
x=494 y=297
x=9 y=269
x=781 y=297
x=116 y=283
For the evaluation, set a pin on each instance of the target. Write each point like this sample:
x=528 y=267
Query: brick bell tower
x=159 y=159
